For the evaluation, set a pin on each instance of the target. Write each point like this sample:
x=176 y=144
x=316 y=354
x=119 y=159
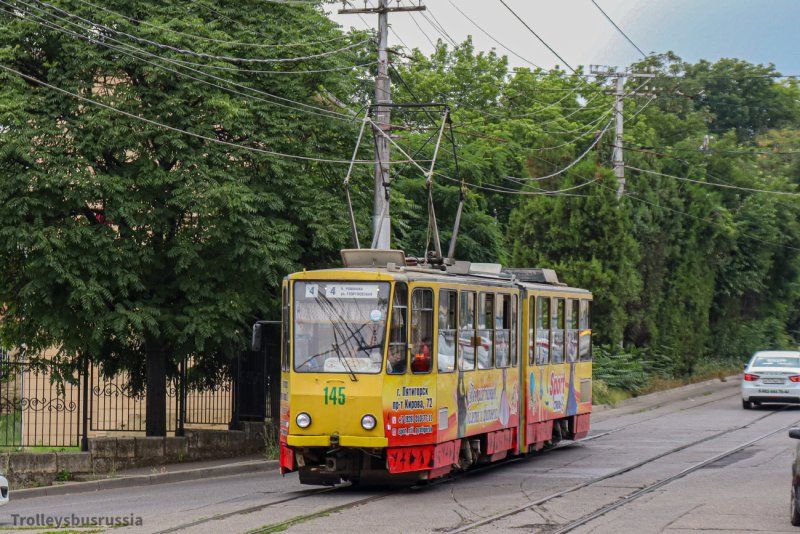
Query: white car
x=3 y=490
x=771 y=376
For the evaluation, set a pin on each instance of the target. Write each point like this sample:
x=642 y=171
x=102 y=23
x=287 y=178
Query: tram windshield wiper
x=342 y=359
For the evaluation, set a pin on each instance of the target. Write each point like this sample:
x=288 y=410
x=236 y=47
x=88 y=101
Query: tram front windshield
x=340 y=327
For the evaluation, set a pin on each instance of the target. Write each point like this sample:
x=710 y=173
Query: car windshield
x=776 y=361
x=339 y=327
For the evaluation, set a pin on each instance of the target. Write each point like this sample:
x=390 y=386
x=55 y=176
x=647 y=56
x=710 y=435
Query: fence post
x=86 y=378
x=235 y=391
x=181 y=399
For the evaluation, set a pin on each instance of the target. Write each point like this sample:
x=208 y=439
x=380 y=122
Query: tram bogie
x=407 y=373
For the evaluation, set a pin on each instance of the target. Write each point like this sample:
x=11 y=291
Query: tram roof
x=417 y=273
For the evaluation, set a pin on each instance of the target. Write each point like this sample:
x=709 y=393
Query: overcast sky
x=759 y=31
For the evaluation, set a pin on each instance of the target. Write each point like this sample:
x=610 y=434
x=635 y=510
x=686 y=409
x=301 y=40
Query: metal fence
x=38 y=411
x=34 y=412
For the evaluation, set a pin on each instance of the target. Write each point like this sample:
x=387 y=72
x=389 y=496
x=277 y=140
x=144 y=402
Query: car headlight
x=303 y=420
x=368 y=422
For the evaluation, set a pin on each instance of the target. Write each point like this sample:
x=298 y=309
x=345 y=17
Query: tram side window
x=447 y=340
x=542 y=330
x=398 y=346
x=572 y=330
x=532 y=330
x=585 y=339
x=557 y=344
x=466 y=334
x=514 y=333
x=285 y=329
x=485 y=347
x=421 y=330
x=502 y=334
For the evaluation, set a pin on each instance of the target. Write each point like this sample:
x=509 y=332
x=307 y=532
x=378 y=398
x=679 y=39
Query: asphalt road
x=689 y=460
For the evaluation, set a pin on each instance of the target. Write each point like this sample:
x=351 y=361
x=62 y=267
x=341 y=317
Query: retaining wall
x=109 y=454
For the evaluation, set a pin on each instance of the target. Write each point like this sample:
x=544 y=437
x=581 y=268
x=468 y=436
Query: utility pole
x=381 y=221
x=619 y=119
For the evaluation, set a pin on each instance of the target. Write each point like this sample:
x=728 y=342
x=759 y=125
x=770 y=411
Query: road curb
x=146 y=480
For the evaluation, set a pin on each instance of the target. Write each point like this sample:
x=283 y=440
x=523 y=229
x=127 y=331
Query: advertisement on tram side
x=555 y=391
x=469 y=402
x=409 y=409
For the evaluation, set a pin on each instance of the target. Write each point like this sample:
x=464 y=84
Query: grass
x=11 y=428
x=38 y=449
x=603 y=394
x=271 y=442
x=700 y=375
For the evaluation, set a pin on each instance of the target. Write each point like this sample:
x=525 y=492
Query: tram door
x=536 y=365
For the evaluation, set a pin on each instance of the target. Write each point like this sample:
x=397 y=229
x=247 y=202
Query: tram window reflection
x=502 y=331
x=446 y=342
x=542 y=330
x=486 y=321
x=397 y=362
x=285 y=329
x=572 y=330
x=514 y=332
x=557 y=344
x=585 y=341
x=466 y=334
x=421 y=330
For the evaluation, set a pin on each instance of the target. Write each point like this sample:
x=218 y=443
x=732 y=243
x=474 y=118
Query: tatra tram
x=392 y=370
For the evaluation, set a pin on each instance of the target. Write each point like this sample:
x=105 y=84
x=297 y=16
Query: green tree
x=137 y=246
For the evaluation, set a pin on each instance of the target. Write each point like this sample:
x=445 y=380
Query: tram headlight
x=368 y=422
x=303 y=420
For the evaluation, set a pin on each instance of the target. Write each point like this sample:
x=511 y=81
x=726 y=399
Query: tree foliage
x=124 y=241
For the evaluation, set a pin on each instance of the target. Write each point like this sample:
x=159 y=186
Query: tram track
x=248 y=510
x=287 y=523
x=635 y=423
x=627 y=499
x=283 y=525
x=639 y=493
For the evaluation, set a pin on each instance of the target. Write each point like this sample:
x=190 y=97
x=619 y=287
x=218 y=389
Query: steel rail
x=250 y=509
x=652 y=487
x=621 y=471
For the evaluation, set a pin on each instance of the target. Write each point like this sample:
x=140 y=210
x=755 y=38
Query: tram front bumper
x=371 y=442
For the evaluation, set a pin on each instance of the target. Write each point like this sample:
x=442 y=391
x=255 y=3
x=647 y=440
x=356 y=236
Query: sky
x=759 y=31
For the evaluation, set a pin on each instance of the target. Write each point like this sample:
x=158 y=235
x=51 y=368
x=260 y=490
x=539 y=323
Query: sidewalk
x=163 y=474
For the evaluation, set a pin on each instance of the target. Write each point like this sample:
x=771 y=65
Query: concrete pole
x=619 y=162
x=381 y=221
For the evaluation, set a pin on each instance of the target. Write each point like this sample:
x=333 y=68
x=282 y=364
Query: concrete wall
x=110 y=454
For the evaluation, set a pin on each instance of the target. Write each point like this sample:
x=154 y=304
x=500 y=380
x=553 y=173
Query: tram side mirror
x=258 y=334
x=794 y=433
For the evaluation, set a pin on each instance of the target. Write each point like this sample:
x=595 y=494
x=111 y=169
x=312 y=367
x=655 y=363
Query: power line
x=573 y=162
x=230 y=59
x=712 y=151
x=179 y=130
x=438 y=27
x=414 y=20
x=537 y=36
x=726 y=186
x=619 y=29
x=310 y=109
x=678 y=212
x=490 y=36
x=270 y=72
x=210 y=39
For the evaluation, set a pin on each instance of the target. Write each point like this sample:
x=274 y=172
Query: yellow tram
x=409 y=372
